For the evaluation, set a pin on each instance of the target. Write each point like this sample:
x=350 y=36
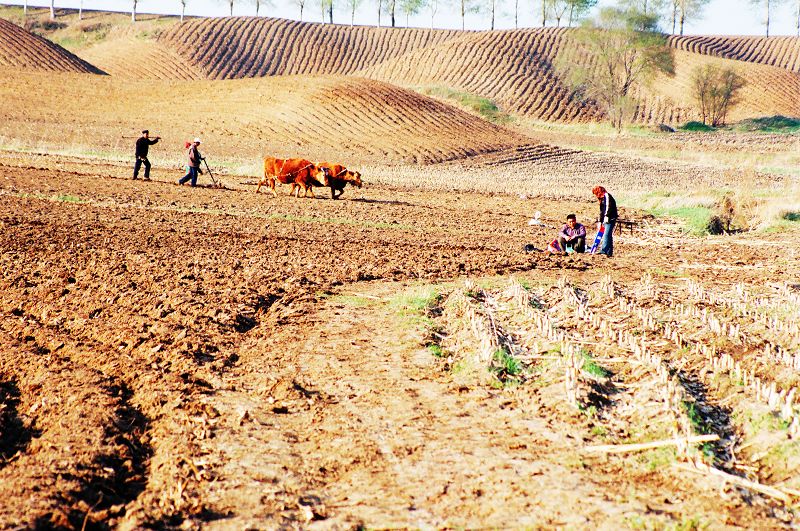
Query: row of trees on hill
x=672 y=15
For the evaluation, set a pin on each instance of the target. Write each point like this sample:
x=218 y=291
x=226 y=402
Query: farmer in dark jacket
x=573 y=235
x=608 y=219
x=194 y=164
x=143 y=144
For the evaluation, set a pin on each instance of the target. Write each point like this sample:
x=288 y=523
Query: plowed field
x=201 y=357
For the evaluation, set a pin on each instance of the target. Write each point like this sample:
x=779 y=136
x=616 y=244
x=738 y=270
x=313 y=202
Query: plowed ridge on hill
x=22 y=49
x=512 y=68
x=236 y=47
x=782 y=52
x=153 y=61
x=319 y=118
x=768 y=91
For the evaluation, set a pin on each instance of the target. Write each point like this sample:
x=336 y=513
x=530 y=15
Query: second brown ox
x=300 y=173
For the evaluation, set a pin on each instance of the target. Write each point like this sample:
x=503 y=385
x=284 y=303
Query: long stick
x=752 y=485
x=209 y=173
x=625 y=448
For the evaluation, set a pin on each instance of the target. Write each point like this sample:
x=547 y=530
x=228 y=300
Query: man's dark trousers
x=138 y=164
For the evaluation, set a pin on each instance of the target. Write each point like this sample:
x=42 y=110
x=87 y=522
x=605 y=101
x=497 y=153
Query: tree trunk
x=330 y=12
x=544 y=13
x=767 y=3
x=380 y=5
x=231 y=7
x=393 y=2
x=25 y=9
x=52 y=10
x=516 y=14
x=463 y=13
x=571 y=13
x=258 y=6
x=683 y=17
x=674 y=17
x=494 y=3
x=798 y=18
x=133 y=12
x=183 y=11
x=353 y=15
x=80 y=11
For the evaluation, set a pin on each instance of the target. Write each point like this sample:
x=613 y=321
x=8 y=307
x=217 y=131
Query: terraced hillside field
x=781 y=52
x=235 y=47
x=24 y=50
x=512 y=68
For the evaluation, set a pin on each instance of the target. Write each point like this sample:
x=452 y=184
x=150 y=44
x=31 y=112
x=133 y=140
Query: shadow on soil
x=108 y=494
x=14 y=435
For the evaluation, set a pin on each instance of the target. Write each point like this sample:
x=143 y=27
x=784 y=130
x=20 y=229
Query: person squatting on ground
x=194 y=164
x=608 y=219
x=572 y=235
x=143 y=144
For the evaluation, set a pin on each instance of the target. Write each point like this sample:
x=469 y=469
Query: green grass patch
x=696 y=127
x=695 y=218
x=769 y=124
x=66 y=198
x=657 y=458
x=436 y=350
x=591 y=367
x=484 y=107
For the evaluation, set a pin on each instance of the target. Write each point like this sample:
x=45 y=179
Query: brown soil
x=200 y=357
x=22 y=49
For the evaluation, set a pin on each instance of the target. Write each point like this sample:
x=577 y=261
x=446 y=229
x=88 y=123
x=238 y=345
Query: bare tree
x=716 y=91
x=797 y=15
x=433 y=8
x=353 y=5
x=579 y=9
x=183 y=8
x=410 y=7
x=545 y=10
x=767 y=5
x=258 y=4
x=301 y=4
x=468 y=6
x=684 y=10
x=623 y=57
x=133 y=10
x=559 y=8
x=493 y=8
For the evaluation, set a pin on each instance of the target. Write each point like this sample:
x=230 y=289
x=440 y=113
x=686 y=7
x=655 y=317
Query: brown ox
x=300 y=173
x=338 y=177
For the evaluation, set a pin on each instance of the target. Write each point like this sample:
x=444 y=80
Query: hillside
x=236 y=47
x=337 y=118
x=21 y=49
x=782 y=52
x=513 y=68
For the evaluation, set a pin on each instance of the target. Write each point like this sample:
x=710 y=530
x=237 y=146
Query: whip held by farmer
x=143 y=144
